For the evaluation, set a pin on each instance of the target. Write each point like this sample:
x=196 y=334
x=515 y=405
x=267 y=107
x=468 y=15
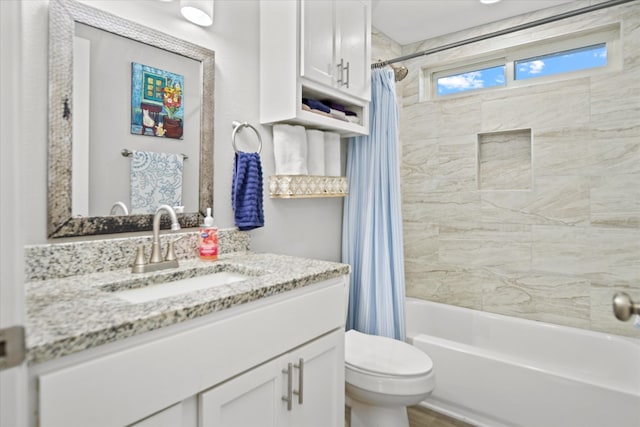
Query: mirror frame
x=63 y=14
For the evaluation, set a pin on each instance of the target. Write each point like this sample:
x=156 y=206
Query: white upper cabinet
x=354 y=24
x=335 y=45
x=317 y=61
x=319 y=50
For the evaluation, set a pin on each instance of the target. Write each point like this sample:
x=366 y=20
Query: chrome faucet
x=120 y=205
x=156 y=262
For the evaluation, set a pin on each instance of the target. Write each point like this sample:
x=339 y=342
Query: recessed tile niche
x=504 y=160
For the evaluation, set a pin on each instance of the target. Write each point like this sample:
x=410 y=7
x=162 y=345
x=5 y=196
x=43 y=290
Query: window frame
x=608 y=35
x=476 y=66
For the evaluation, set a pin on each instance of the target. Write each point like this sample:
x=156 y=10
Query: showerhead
x=400 y=72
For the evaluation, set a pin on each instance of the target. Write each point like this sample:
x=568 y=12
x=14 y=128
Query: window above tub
x=553 y=59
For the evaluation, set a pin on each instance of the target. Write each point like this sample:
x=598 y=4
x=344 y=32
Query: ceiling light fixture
x=200 y=12
x=489 y=1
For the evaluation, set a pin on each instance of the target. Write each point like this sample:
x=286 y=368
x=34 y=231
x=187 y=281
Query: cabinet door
x=322 y=382
x=169 y=417
x=255 y=398
x=249 y=400
x=317 y=41
x=353 y=33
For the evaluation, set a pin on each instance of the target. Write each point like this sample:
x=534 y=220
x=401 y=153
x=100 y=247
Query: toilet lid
x=384 y=355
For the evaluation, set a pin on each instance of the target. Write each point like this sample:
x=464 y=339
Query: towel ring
x=236 y=127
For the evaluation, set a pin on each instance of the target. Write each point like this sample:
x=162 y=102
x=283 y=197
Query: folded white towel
x=315 y=152
x=332 y=154
x=337 y=114
x=290 y=149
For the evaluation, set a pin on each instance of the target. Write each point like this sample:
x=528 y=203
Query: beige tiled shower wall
x=556 y=252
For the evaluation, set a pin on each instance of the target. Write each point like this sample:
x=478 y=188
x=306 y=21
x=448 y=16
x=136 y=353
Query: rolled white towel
x=315 y=152
x=290 y=149
x=332 y=154
x=337 y=114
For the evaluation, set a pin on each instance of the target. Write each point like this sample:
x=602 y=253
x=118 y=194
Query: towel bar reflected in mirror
x=126 y=153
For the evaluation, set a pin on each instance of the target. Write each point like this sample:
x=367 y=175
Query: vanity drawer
x=128 y=385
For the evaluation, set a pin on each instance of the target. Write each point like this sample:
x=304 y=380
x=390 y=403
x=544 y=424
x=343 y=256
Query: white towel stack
x=290 y=149
x=331 y=154
x=315 y=151
x=298 y=151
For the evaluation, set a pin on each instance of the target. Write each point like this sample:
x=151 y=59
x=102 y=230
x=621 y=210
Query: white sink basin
x=179 y=287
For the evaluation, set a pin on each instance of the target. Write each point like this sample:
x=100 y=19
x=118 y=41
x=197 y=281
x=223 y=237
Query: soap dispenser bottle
x=208 y=238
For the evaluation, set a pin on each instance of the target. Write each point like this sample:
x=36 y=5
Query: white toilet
x=383 y=376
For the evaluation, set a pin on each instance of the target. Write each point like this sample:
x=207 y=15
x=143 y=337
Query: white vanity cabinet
x=226 y=364
x=169 y=417
x=296 y=389
x=319 y=50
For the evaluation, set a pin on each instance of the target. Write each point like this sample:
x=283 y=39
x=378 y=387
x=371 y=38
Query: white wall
x=309 y=227
x=13 y=390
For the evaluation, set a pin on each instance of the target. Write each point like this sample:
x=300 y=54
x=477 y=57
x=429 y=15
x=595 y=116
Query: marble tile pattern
x=557 y=250
x=504 y=160
x=78 y=312
x=382 y=47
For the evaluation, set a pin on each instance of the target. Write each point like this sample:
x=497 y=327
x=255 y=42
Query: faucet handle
x=171 y=254
x=139 y=262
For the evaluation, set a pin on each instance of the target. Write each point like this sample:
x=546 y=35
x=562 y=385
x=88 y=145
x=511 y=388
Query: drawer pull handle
x=289 y=397
x=300 y=392
x=348 y=78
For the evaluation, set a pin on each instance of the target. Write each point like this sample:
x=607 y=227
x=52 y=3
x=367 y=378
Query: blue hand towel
x=246 y=193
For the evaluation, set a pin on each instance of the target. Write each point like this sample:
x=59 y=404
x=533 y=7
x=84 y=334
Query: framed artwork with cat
x=157 y=102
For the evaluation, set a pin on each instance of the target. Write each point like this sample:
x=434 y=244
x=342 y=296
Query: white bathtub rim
x=541 y=323
x=499 y=357
x=532 y=364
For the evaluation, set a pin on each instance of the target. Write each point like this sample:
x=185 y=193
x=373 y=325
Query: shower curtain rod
x=525 y=26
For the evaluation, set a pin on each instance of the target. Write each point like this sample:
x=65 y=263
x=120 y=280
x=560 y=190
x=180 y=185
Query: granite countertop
x=71 y=314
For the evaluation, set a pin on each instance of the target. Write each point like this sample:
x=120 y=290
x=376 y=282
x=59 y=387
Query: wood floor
x=422 y=417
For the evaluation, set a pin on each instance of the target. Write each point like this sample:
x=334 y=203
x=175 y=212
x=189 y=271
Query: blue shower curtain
x=372 y=223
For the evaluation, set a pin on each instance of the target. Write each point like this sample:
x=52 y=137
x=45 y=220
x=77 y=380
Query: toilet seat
x=384 y=365
x=384 y=356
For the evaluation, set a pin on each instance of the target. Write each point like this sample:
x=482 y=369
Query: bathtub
x=499 y=371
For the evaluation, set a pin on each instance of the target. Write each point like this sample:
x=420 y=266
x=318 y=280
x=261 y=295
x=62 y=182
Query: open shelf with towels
x=307 y=186
x=292 y=66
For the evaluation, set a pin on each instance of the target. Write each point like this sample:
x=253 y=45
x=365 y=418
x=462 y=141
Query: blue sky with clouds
x=561 y=62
